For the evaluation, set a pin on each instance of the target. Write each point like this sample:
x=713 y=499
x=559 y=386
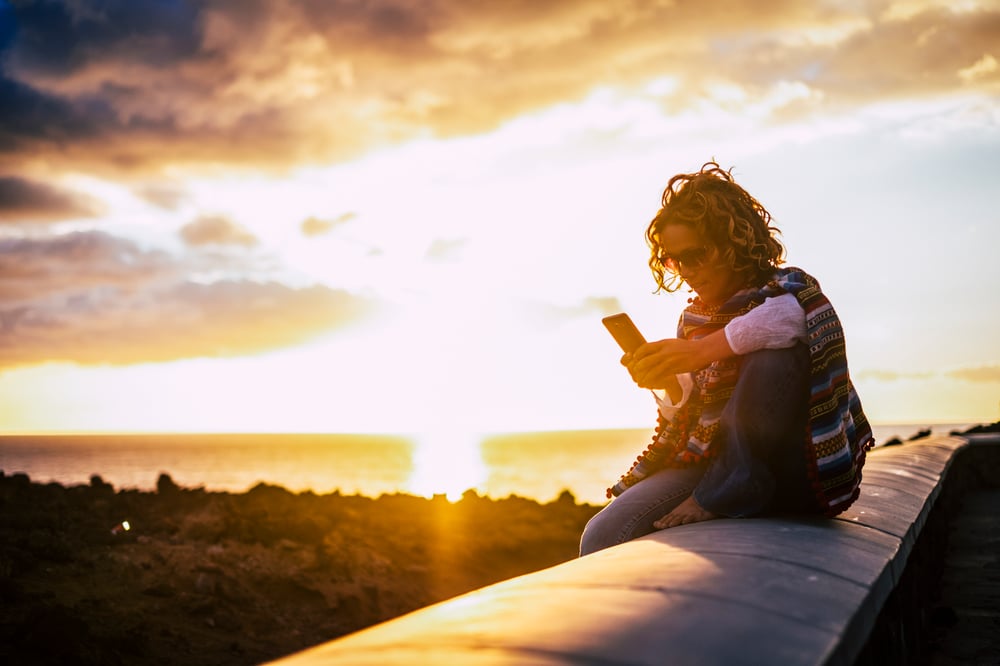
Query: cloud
x=890 y=375
x=35 y=270
x=167 y=197
x=314 y=226
x=186 y=320
x=91 y=298
x=924 y=54
x=275 y=84
x=28 y=201
x=442 y=250
x=593 y=306
x=982 y=68
x=58 y=38
x=216 y=230
x=982 y=373
x=606 y=305
x=31 y=119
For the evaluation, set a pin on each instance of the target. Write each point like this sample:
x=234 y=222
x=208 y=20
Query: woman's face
x=699 y=264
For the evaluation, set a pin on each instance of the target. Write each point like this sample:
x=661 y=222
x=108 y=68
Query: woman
x=757 y=412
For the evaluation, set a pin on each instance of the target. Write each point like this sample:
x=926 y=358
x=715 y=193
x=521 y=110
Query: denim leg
x=760 y=464
x=632 y=514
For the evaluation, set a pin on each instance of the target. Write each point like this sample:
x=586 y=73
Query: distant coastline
x=538 y=465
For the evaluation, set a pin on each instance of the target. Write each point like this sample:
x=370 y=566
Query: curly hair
x=720 y=211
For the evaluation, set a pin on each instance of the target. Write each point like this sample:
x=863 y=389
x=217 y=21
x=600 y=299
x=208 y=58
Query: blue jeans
x=632 y=514
x=760 y=462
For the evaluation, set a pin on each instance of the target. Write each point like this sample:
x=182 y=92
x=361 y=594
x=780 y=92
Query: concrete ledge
x=757 y=591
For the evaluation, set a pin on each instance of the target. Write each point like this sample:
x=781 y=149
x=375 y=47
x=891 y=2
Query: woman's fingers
x=652 y=372
x=655 y=365
x=669 y=356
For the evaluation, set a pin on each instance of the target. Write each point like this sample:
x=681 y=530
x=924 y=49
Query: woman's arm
x=777 y=323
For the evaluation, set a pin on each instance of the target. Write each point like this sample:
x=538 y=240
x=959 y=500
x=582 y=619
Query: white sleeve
x=777 y=323
x=666 y=407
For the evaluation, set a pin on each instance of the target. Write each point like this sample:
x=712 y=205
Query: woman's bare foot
x=686 y=512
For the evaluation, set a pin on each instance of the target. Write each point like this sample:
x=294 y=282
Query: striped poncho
x=839 y=434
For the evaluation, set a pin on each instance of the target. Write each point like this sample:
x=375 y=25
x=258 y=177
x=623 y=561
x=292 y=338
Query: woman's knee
x=767 y=367
x=772 y=389
x=600 y=532
x=631 y=515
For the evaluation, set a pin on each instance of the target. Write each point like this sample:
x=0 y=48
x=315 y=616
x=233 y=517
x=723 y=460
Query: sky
x=410 y=216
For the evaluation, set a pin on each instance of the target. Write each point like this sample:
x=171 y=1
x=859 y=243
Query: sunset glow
x=446 y=463
x=338 y=217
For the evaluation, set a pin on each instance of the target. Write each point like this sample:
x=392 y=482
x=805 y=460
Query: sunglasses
x=693 y=258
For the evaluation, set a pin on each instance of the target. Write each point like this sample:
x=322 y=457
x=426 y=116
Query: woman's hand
x=655 y=365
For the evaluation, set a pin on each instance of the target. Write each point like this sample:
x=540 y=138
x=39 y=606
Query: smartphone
x=624 y=332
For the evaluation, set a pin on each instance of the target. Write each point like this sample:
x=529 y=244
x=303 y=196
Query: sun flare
x=447 y=462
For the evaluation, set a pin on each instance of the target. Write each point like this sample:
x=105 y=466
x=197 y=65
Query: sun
x=446 y=462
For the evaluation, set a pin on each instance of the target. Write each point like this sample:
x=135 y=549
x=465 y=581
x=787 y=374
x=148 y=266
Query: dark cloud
x=8 y=25
x=126 y=85
x=58 y=38
x=216 y=230
x=27 y=201
x=92 y=298
x=76 y=79
x=30 y=118
x=404 y=21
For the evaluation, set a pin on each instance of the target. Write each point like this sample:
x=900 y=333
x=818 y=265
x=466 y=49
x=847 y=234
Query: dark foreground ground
x=220 y=578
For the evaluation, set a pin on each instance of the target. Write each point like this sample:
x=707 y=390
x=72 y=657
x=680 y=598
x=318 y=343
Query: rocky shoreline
x=94 y=575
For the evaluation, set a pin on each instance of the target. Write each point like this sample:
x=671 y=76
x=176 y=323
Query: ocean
x=538 y=465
